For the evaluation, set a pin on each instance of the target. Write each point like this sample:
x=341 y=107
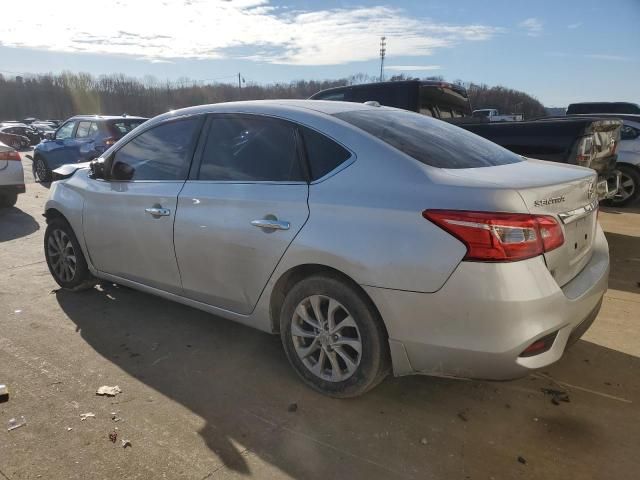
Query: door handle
x=271 y=224
x=158 y=211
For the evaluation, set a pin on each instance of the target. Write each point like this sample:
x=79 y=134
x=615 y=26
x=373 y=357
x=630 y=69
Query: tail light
x=499 y=237
x=10 y=155
x=541 y=345
x=586 y=150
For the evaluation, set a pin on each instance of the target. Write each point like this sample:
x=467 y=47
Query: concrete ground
x=203 y=397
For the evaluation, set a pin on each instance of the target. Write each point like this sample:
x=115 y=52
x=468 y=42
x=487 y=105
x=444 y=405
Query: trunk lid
x=565 y=192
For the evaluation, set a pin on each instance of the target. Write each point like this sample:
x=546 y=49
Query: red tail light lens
x=499 y=237
x=10 y=155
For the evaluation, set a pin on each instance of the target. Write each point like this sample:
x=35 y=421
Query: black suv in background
x=586 y=108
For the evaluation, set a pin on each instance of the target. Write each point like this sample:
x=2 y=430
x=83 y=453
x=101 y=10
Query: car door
x=84 y=139
x=128 y=217
x=60 y=149
x=243 y=204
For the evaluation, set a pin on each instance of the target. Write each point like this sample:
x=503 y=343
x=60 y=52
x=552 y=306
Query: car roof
x=276 y=107
x=106 y=117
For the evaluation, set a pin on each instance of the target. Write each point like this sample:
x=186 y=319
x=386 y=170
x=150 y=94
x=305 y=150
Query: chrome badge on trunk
x=549 y=201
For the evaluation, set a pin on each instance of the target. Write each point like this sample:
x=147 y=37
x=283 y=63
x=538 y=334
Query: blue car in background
x=80 y=139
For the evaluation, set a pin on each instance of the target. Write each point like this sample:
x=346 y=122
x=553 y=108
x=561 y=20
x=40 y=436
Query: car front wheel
x=64 y=257
x=41 y=170
x=333 y=337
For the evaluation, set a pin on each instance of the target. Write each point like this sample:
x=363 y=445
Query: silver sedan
x=370 y=239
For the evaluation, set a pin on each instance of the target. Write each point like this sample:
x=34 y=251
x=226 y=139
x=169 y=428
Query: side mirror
x=122 y=171
x=97 y=168
x=49 y=135
x=628 y=133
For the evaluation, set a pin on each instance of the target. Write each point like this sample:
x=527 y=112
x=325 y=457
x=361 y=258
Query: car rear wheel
x=8 y=199
x=64 y=257
x=41 y=170
x=333 y=337
x=629 y=186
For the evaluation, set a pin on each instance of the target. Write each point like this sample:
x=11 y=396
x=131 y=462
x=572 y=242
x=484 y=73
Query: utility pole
x=383 y=52
x=239 y=84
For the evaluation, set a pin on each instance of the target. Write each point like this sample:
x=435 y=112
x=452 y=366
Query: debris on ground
x=69 y=429
x=109 y=391
x=4 y=393
x=557 y=396
x=423 y=440
x=13 y=423
x=154 y=346
x=84 y=416
x=113 y=436
x=293 y=407
x=55 y=290
x=126 y=443
x=463 y=416
x=17 y=311
x=115 y=417
x=522 y=460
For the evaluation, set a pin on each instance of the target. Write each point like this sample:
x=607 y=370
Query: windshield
x=432 y=142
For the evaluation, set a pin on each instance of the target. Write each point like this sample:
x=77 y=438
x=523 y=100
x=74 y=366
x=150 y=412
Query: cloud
x=573 y=26
x=602 y=56
x=409 y=68
x=214 y=29
x=532 y=26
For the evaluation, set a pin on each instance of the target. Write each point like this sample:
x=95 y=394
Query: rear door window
x=247 y=148
x=430 y=141
x=83 y=129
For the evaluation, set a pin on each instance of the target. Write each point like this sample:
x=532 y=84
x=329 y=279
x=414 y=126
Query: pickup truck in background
x=588 y=141
x=492 y=115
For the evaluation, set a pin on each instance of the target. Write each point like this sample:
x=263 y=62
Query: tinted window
x=122 y=127
x=83 y=129
x=244 y=148
x=389 y=95
x=429 y=141
x=323 y=153
x=65 y=131
x=161 y=153
x=336 y=96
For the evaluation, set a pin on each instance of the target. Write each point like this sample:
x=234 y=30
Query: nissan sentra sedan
x=370 y=239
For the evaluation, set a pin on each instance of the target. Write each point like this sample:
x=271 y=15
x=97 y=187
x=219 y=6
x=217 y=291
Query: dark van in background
x=586 y=108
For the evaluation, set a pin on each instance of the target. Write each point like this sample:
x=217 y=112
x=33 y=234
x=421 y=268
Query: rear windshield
x=432 y=142
x=122 y=127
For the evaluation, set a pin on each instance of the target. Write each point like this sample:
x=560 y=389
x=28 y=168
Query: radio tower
x=383 y=51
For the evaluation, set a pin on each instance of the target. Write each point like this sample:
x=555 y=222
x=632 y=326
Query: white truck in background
x=493 y=115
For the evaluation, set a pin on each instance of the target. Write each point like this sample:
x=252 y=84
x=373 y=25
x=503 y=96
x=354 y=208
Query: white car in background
x=11 y=176
x=629 y=161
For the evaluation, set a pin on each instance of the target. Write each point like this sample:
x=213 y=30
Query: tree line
x=62 y=96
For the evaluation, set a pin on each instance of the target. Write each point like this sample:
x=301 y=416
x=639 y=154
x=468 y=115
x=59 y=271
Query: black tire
x=41 y=170
x=8 y=199
x=373 y=360
x=81 y=278
x=631 y=183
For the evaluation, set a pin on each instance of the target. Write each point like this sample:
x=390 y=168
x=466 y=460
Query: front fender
x=66 y=200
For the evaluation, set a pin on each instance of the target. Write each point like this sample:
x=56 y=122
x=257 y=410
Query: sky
x=560 y=51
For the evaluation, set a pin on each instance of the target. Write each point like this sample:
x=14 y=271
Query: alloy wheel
x=62 y=255
x=627 y=188
x=326 y=338
x=41 y=170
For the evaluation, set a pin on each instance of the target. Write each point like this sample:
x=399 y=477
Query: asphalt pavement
x=205 y=398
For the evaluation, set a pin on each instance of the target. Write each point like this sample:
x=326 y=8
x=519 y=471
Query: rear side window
x=250 y=149
x=85 y=129
x=324 y=154
x=161 y=153
x=432 y=142
x=122 y=127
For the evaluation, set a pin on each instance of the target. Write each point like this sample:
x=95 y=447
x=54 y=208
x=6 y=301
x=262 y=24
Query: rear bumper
x=486 y=314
